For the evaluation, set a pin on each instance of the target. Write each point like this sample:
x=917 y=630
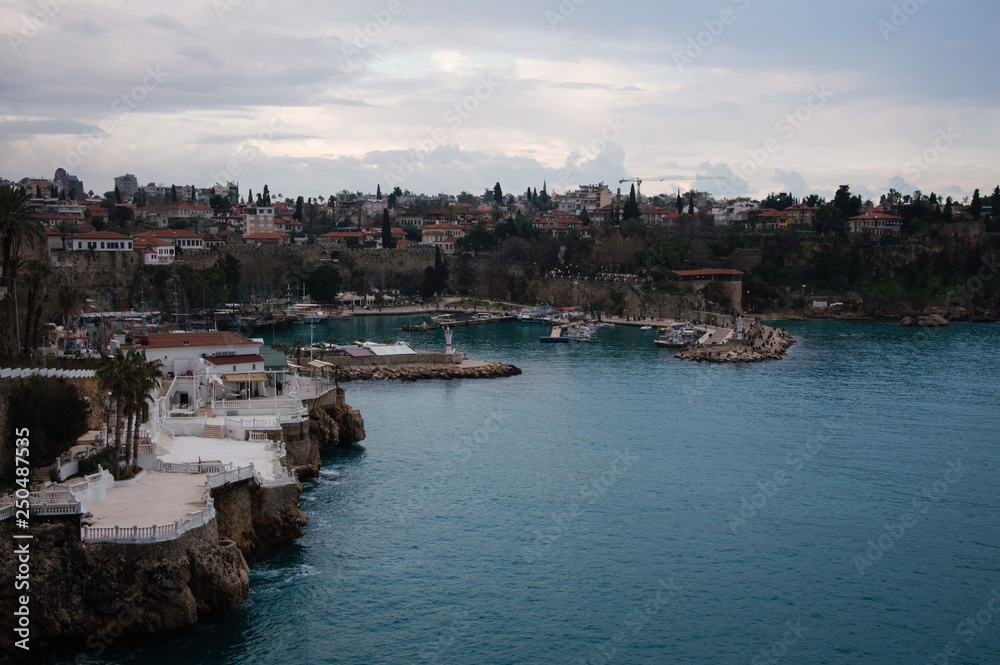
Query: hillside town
x=158 y=221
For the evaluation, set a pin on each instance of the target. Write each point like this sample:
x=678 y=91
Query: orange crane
x=638 y=181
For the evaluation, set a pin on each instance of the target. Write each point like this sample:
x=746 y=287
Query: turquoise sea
x=616 y=505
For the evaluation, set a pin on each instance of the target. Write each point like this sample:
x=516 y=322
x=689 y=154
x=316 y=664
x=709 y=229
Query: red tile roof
x=235 y=360
x=196 y=339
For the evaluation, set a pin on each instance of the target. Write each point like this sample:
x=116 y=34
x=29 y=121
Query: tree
x=68 y=297
x=324 y=282
x=995 y=202
x=848 y=205
x=36 y=272
x=631 y=210
x=830 y=221
x=779 y=201
x=680 y=202
x=36 y=401
x=690 y=203
x=478 y=238
x=378 y=192
x=230 y=267
x=391 y=200
x=435 y=277
x=497 y=194
x=219 y=203
x=976 y=207
x=114 y=377
x=266 y=198
x=118 y=195
x=17 y=226
x=297 y=215
x=147 y=382
x=413 y=233
x=387 y=240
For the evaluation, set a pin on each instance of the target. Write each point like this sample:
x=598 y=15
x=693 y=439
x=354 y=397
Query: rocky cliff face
x=333 y=423
x=259 y=519
x=85 y=596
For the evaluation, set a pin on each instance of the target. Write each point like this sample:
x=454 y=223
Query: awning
x=319 y=364
x=245 y=377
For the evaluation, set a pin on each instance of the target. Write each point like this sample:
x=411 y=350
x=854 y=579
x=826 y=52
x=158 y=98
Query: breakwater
x=422 y=372
x=761 y=342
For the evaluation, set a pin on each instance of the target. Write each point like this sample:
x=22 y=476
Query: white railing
x=6 y=510
x=282 y=476
x=151 y=534
x=184 y=426
x=231 y=476
x=247 y=407
x=259 y=436
x=56 y=508
x=52 y=496
x=212 y=466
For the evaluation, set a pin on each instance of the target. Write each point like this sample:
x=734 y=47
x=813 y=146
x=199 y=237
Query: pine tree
x=631 y=210
x=995 y=202
x=497 y=194
x=976 y=207
x=387 y=241
x=378 y=192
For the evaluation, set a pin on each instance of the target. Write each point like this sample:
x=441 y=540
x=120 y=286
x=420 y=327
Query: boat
x=671 y=340
x=646 y=328
x=541 y=314
x=444 y=319
x=579 y=333
x=307 y=313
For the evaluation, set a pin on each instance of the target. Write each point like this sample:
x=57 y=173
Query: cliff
x=85 y=596
x=333 y=423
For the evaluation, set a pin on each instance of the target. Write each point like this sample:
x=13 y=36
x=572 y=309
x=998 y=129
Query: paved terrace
x=228 y=451
x=157 y=498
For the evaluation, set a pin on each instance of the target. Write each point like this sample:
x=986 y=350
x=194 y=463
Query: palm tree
x=147 y=375
x=114 y=375
x=37 y=271
x=297 y=346
x=17 y=225
x=66 y=229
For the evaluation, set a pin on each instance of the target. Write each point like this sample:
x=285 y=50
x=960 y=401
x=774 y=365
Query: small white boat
x=646 y=328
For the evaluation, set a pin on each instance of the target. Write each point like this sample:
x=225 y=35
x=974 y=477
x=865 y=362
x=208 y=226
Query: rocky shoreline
x=87 y=596
x=419 y=372
x=760 y=343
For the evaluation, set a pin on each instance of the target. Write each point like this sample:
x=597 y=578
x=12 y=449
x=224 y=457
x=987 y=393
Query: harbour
x=570 y=511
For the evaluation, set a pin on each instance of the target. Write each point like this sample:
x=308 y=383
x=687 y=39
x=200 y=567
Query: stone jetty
x=760 y=343
x=467 y=369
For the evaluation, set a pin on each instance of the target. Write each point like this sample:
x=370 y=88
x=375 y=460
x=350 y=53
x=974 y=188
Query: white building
x=100 y=241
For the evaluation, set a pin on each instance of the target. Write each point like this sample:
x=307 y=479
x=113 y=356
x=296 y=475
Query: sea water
x=616 y=505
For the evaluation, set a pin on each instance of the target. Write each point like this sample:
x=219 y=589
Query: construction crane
x=638 y=181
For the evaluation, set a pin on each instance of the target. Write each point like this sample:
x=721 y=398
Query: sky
x=434 y=96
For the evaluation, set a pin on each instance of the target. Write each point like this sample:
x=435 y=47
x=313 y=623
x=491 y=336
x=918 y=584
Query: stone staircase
x=164 y=443
x=211 y=431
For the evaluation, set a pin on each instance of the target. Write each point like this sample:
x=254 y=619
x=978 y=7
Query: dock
x=423 y=327
x=555 y=337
